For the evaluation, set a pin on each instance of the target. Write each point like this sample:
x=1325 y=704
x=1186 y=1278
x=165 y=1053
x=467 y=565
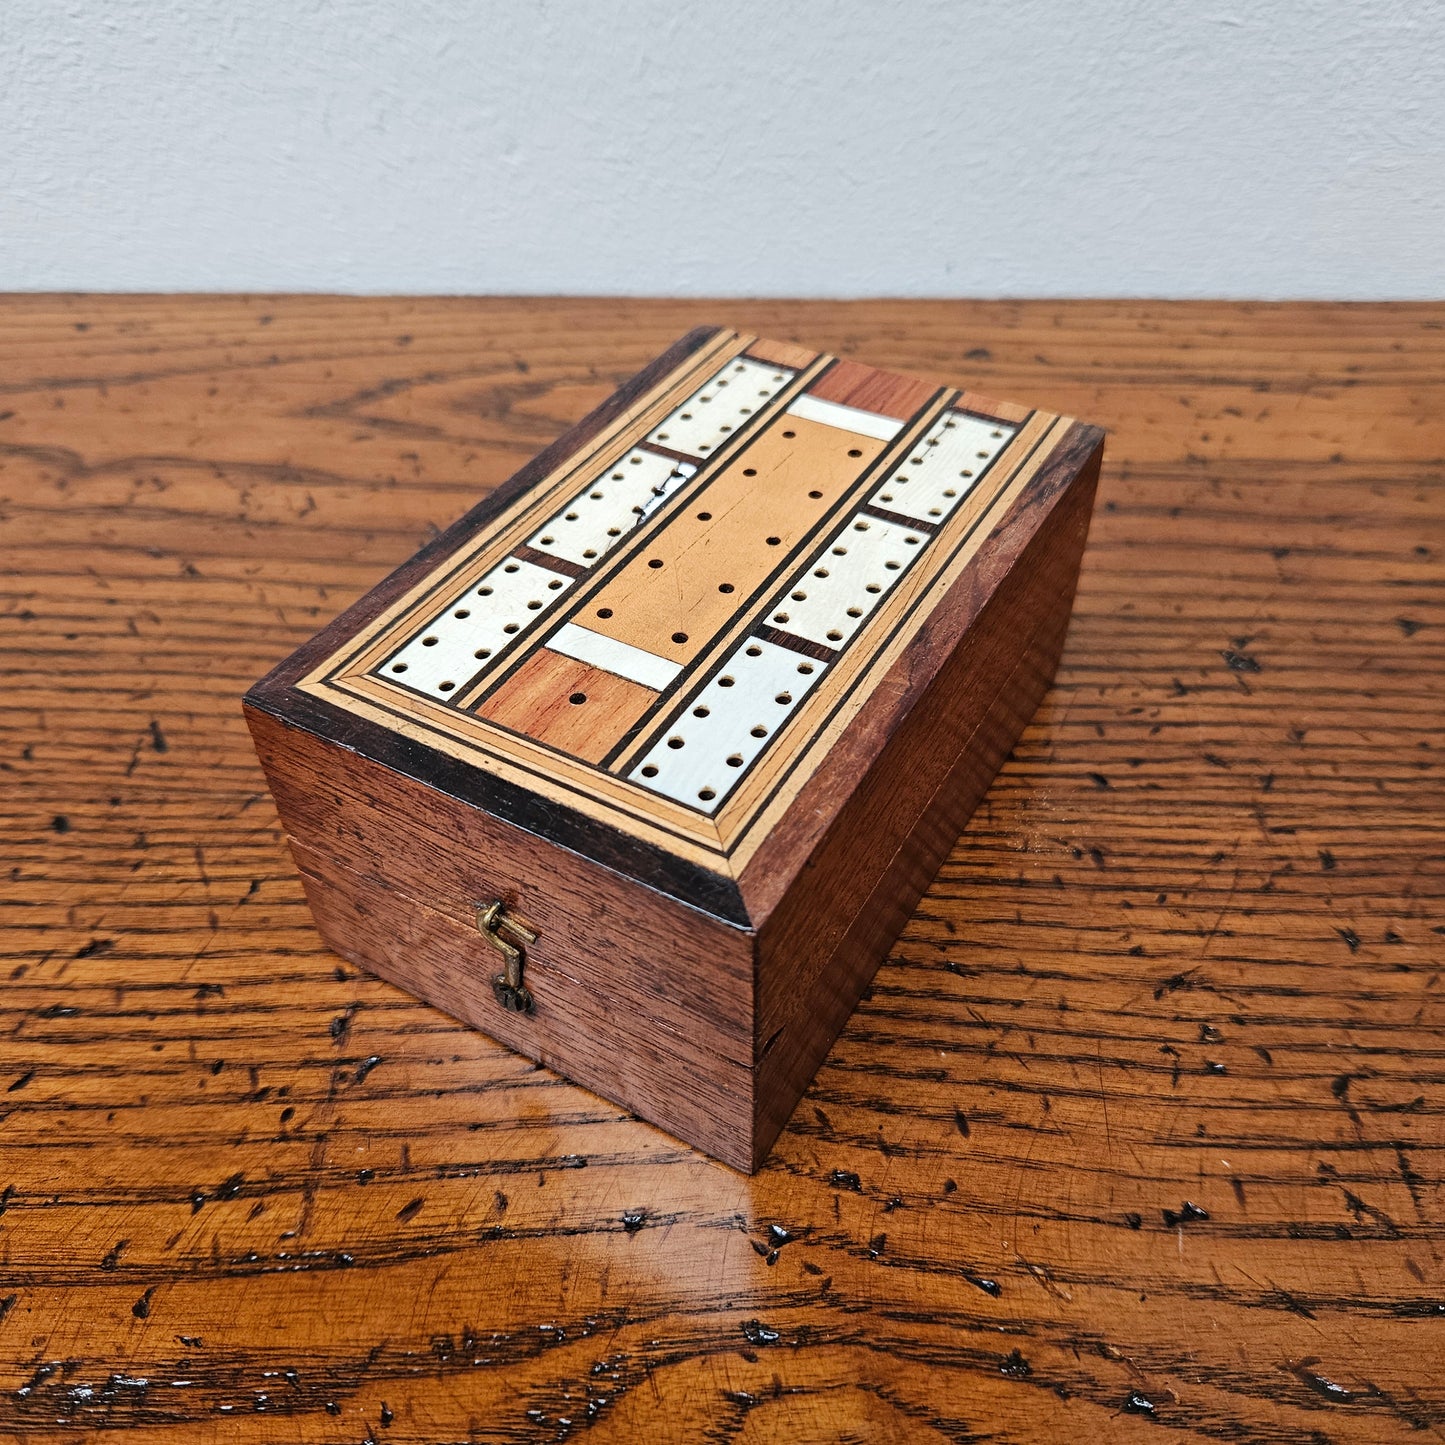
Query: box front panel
x=594 y=1041
x=606 y=944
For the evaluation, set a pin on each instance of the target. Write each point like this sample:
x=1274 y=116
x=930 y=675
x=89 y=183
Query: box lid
x=675 y=641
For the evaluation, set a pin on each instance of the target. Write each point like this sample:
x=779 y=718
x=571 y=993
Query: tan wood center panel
x=670 y=599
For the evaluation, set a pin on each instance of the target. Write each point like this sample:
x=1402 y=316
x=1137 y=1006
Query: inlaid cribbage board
x=671 y=628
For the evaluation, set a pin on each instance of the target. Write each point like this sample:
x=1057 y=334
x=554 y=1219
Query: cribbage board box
x=642 y=766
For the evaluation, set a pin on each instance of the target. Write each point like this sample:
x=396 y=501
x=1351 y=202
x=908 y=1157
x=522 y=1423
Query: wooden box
x=641 y=766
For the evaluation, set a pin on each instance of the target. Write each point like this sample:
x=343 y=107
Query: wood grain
x=568 y=704
x=853 y=384
x=1139 y=1128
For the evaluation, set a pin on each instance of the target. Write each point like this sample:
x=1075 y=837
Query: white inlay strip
x=610 y=506
x=622 y=658
x=724 y=405
x=458 y=640
x=854 y=572
x=845 y=418
x=942 y=468
x=710 y=744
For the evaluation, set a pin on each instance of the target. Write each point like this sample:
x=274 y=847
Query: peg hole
x=577 y=699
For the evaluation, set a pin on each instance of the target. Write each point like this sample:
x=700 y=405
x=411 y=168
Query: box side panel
x=594 y=1041
x=669 y=967
x=890 y=838
x=796 y=1049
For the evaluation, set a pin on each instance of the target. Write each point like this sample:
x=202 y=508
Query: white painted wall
x=1263 y=148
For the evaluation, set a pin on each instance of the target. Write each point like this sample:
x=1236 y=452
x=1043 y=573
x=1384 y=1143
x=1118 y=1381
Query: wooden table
x=1139 y=1134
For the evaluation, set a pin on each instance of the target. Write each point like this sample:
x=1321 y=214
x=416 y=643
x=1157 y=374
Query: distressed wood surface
x=1138 y=1135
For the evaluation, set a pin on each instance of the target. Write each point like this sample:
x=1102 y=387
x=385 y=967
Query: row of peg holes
x=742 y=410
x=734 y=760
x=462 y=613
x=902 y=481
x=549 y=540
